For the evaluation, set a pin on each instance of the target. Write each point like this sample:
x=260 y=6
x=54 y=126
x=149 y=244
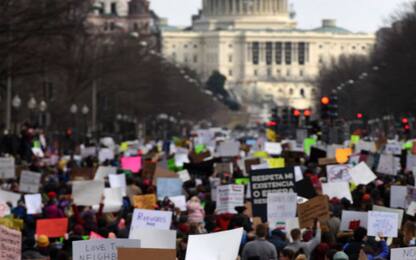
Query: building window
x=255 y=72
x=230 y=73
x=256 y=53
x=301 y=53
x=301 y=73
x=269 y=53
x=291 y=92
x=269 y=72
x=230 y=46
x=186 y=59
x=195 y=46
x=321 y=46
x=313 y=92
x=185 y=46
x=353 y=47
x=112 y=26
x=278 y=54
x=114 y=8
x=101 y=10
x=195 y=58
x=279 y=72
x=321 y=59
x=288 y=73
x=363 y=48
x=302 y=92
x=288 y=53
x=230 y=58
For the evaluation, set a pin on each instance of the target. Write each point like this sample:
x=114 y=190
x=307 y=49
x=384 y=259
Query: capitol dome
x=244 y=14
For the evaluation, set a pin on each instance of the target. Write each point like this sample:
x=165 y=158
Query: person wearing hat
x=340 y=256
x=42 y=244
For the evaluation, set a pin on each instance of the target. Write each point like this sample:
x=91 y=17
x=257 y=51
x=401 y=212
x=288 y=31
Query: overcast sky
x=355 y=15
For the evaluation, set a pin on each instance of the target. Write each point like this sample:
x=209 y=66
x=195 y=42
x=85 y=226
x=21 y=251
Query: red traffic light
x=405 y=120
x=360 y=115
x=296 y=113
x=325 y=100
x=407 y=127
x=307 y=113
x=271 y=123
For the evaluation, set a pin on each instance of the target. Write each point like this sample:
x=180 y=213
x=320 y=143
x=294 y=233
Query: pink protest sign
x=133 y=164
x=95 y=236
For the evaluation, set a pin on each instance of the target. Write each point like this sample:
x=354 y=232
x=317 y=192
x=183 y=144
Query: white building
x=257 y=46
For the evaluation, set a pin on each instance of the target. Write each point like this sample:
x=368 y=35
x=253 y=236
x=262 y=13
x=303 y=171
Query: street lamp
x=73 y=109
x=16 y=102
x=143 y=44
x=31 y=104
x=43 y=106
x=85 y=110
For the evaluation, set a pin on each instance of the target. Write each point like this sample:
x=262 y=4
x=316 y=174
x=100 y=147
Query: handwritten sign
x=228 y=149
x=337 y=190
x=351 y=220
x=52 y=228
x=382 y=224
x=13 y=198
x=154 y=238
x=103 y=172
x=316 y=208
x=338 y=173
x=87 y=193
x=7 y=168
x=101 y=248
x=361 y=174
x=33 y=203
x=29 y=182
x=151 y=219
x=168 y=187
x=405 y=253
x=229 y=197
x=280 y=207
x=273 y=148
x=147 y=201
x=10 y=244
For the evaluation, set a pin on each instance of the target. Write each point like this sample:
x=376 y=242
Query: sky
x=355 y=15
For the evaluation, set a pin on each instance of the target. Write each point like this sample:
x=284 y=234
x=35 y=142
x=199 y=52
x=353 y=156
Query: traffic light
x=295 y=116
x=333 y=107
x=307 y=113
x=274 y=120
x=325 y=112
x=405 y=125
x=360 y=116
x=285 y=116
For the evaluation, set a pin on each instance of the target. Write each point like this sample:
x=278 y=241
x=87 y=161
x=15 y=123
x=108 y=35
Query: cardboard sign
x=179 y=201
x=342 y=155
x=337 y=190
x=338 y=173
x=352 y=220
x=33 y=203
x=101 y=248
x=280 y=207
x=361 y=174
x=10 y=244
x=147 y=201
x=404 y=253
x=52 y=228
x=315 y=208
x=168 y=187
x=103 y=172
x=155 y=219
x=7 y=168
x=326 y=161
x=145 y=253
x=82 y=174
x=382 y=224
x=229 y=197
x=29 y=182
x=228 y=149
x=6 y=196
x=267 y=181
x=398 y=197
x=273 y=148
x=133 y=164
x=399 y=212
x=220 y=245
x=149 y=169
x=87 y=193
x=154 y=238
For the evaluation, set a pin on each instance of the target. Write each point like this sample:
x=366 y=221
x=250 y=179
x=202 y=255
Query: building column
x=241 y=7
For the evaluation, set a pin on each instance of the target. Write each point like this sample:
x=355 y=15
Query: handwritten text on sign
x=407 y=253
x=151 y=219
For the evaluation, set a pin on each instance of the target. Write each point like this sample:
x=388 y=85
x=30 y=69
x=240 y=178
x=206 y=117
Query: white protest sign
x=151 y=219
x=10 y=244
x=351 y=220
x=280 y=207
x=113 y=200
x=228 y=149
x=118 y=181
x=88 y=151
x=221 y=245
x=154 y=238
x=388 y=164
x=229 y=197
x=365 y=146
x=399 y=212
x=181 y=159
x=7 y=168
x=179 y=201
x=214 y=183
x=361 y=174
x=298 y=174
x=101 y=248
x=4 y=209
x=33 y=203
x=87 y=193
x=382 y=224
x=398 y=196
x=29 y=182
x=261 y=166
x=393 y=148
x=105 y=154
x=103 y=172
x=338 y=173
x=337 y=190
x=7 y=196
x=411 y=210
x=273 y=148
x=404 y=253
x=184 y=175
x=410 y=162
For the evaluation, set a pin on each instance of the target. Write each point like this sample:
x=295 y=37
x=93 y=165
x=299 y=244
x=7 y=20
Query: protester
x=260 y=248
x=298 y=246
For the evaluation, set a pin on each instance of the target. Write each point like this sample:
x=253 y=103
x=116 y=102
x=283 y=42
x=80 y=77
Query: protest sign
x=315 y=208
x=411 y=210
x=275 y=163
x=101 y=248
x=326 y=161
x=307 y=144
x=249 y=162
x=133 y=164
x=155 y=219
x=33 y=203
x=242 y=181
x=229 y=197
x=105 y=154
x=388 y=164
x=220 y=245
x=316 y=154
x=383 y=224
x=7 y=168
x=82 y=174
x=154 y=238
x=147 y=201
x=118 y=181
x=261 y=166
x=145 y=253
x=404 y=253
x=280 y=207
x=228 y=149
x=338 y=173
x=179 y=201
x=393 y=148
x=273 y=148
x=304 y=188
x=267 y=181
x=113 y=200
x=88 y=151
x=149 y=169
x=181 y=159
x=365 y=146
x=399 y=212
x=410 y=162
x=214 y=183
x=163 y=173
x=10 y=244
x=223 y=168
x=103 y=172
x=342 y=155
x=29 y=182
x=55 y=227
x=184 y=175
x=352 y=220
x=6 y=196
x=298 y=174
x=4 y=209
x=87 y=193
x=398 y=197
x=361 y=174
x=337 y=190
x=168 y=187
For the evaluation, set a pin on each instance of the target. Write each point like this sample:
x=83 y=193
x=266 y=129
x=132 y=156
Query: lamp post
x=42 y=108
x=85 y=110
x=31 y=104
x=16 y=103
x=74 y=109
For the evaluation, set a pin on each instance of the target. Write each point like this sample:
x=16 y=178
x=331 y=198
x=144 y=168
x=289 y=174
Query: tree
x=216 y=84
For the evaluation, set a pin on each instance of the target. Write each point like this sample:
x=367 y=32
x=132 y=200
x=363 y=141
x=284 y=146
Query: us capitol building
x=256 y=44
